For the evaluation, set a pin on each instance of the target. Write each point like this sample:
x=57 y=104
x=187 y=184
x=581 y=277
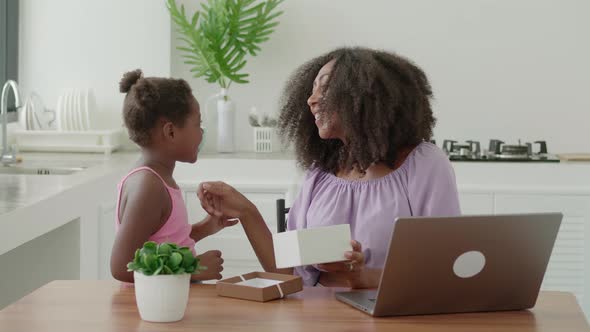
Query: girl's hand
x=354 y=265
x=213 y=224
x=220 y=199
x=214 y=263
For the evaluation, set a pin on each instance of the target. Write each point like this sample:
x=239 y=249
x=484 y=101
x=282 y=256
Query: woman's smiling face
x=328 y=124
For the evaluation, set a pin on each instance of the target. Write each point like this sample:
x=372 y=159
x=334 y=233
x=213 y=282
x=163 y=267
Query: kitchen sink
x=39 y=170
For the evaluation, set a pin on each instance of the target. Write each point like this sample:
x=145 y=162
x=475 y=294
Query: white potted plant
x=217 y=40
x=162 y=275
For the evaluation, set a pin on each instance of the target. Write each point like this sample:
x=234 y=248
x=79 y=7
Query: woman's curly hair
x=151 y=98
x=382 y=100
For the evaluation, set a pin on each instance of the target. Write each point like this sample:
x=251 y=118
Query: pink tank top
x=177 y=228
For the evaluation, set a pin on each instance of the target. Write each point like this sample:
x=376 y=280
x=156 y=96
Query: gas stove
x=498 y=151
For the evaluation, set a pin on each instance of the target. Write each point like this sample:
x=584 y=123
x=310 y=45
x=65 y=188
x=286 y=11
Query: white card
x=259 y=282
x=311 y=246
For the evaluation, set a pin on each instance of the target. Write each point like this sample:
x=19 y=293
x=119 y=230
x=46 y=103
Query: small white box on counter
x=311 y=246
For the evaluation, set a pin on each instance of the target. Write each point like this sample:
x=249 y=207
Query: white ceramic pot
x=226 y=110
x=161 y=298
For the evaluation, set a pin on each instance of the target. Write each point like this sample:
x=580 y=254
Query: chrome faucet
x=8 y=156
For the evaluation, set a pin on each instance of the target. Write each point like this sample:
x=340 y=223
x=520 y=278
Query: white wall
x=499 y=69
x=73 y=43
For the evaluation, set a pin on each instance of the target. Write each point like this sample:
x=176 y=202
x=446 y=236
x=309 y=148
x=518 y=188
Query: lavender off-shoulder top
x=424 y=185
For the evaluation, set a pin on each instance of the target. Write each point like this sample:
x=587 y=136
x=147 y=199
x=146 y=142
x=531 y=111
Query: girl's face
x=190 y=135
x=329 y=126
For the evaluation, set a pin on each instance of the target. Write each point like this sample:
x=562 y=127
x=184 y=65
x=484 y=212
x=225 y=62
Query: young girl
x=163 y=118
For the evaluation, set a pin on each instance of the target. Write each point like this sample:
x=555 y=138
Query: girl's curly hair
x=382 y=100
x=149 y=98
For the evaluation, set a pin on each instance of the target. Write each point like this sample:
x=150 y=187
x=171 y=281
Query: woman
x=361 y=122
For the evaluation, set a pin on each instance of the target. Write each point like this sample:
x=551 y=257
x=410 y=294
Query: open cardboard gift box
x=260 y=286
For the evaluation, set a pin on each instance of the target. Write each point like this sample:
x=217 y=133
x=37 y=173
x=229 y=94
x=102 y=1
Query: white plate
x=81 y=105
x=26 y=111
x=42 y=117
x=64 y=112
x=90 y=108
x=36 y=114
x=68 y=111
x=76 y=106
x=86 y=108
x=76 y=110
x=22 y=117
x=79 y=115
x=29 y=115
x=58 y=113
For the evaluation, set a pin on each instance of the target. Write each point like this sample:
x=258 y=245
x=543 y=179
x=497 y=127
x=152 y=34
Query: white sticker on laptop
x=469 y=264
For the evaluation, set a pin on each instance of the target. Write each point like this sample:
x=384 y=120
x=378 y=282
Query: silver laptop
x=461 y=264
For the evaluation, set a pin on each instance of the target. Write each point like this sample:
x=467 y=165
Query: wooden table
x=82 y=306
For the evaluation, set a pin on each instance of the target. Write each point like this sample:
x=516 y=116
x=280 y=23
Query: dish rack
x=92 y=141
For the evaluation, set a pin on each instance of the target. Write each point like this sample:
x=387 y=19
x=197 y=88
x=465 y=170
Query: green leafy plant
x=164 y=258
x=220 y=36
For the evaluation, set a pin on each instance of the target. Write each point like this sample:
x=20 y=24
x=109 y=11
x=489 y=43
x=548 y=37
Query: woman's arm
x=141 y=214
x=260 y=238
x=221 y=199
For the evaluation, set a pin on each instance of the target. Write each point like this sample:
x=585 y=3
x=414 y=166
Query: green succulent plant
x=164 y=258
x=219 y=37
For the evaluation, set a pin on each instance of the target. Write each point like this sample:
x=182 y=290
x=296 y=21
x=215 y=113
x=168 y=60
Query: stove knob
x=542 y=147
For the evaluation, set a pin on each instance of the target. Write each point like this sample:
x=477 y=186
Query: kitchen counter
x=33 y=205
x=22 y=190
x=109 y=306
x=20 y=195
x=19 y=191
x=569 y=176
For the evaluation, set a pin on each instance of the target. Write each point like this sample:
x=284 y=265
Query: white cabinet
x=476 y=203
x=106 y=238
x=569 y=266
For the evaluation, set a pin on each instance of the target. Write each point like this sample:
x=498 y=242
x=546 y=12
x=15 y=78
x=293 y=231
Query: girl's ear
x=168 y=130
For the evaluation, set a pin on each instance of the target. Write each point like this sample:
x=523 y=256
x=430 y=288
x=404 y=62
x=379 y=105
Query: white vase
x=226 y=110
x=161 y=298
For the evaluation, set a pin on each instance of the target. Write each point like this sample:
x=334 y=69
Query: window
x=9 y=48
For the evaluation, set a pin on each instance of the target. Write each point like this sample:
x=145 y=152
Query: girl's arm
x=209 y=226
x=142 y=213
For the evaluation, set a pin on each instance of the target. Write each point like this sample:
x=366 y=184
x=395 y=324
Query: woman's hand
x=355 y=263
x=220 y=199
x=352 y=274
x=214 y=263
